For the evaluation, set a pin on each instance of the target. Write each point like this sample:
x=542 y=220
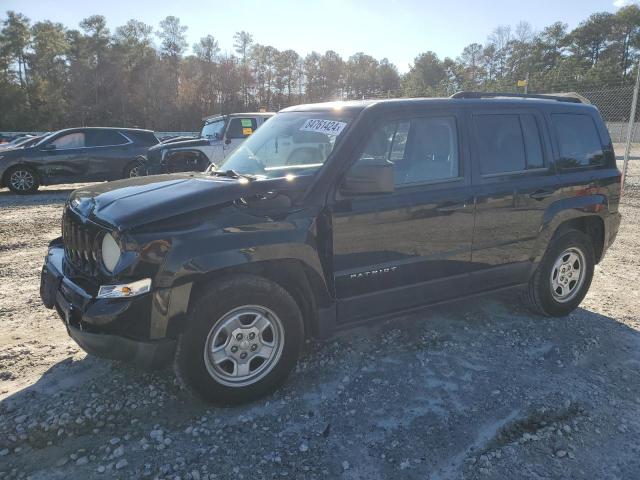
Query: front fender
x=563 y=211
x=204 y=251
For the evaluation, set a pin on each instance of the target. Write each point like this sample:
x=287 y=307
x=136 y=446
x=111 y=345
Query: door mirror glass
x=369 y=177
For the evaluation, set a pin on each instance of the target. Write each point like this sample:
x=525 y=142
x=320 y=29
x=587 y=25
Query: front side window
x=421 y=149
x=241 y=127
x=70 y=140
x=578 y=140
x=213 y=130
x=508 y=143
x=291 y=143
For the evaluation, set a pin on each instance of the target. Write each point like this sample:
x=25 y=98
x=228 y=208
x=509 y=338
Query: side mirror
x=369 y=177
x=227 y=141
x=49 y=146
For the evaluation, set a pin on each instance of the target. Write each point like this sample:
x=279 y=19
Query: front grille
x=80 y=244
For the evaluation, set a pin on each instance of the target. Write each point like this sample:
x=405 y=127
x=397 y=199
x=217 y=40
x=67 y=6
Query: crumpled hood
x=10 y=152
x=192 y=142
x=137 y=201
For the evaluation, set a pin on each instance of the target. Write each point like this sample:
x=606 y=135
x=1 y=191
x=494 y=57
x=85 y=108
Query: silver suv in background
x=220 y=136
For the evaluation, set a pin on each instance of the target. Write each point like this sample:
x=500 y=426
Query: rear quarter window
x=579 y=143
x=146 y=138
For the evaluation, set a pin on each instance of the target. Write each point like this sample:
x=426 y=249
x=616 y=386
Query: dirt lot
x=478 y=389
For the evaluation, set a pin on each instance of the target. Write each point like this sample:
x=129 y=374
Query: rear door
x=515 y=182
x=412 y=246
x=108 y=152
x=238 y=130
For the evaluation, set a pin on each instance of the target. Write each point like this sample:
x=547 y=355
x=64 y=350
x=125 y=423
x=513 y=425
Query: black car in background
x=89 y=154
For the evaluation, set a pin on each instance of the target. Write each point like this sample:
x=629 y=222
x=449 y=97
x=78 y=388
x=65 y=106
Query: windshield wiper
x=231 y=174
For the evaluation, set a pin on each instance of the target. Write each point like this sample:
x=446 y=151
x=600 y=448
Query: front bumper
x=116 y=329
x=148 y=355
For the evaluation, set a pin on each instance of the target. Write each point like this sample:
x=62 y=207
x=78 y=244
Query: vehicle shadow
x=474 y=374
x=474 y=319
x=57 y=194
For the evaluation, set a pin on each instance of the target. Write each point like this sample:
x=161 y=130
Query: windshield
x=291 y=143
x=45 y=138
x=213 y=130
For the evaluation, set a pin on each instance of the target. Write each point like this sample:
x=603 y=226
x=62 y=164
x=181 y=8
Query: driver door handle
x=541 y=194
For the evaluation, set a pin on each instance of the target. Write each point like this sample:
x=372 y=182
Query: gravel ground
x=477 y=389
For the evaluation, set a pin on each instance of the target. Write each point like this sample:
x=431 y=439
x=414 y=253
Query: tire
x=550 y=291
x=135 y=169
x=230 y=307
x=22 y=180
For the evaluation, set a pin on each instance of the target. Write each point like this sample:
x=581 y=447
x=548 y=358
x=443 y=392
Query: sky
x=396 y=29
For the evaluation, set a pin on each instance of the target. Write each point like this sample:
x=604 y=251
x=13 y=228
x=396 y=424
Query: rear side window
x=508 y=143
x=105 y=138
x=241 y=127
x=578 y=140
x=532 y=145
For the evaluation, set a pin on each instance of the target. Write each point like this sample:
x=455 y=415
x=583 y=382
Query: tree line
x=52 y=76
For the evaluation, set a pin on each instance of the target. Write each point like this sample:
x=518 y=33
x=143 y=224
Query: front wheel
x=564 y=275
x=244 y=337
x=22 y=180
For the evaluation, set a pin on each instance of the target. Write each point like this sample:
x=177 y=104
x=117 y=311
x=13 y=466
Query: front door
x=64 y=158
x=411 y=247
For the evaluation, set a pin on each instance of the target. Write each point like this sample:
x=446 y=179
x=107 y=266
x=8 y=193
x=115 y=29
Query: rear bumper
x=117 y=329
x=612 y=223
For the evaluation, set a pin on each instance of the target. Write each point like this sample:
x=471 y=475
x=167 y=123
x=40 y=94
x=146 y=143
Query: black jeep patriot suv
x=330 y=215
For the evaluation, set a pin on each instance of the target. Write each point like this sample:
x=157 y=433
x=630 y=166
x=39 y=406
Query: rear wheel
x=244 y=338
x=135 y=169
x=22 y=180
x=563 y=276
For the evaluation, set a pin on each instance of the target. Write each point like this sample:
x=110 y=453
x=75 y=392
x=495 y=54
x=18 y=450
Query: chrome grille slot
x=80 y=244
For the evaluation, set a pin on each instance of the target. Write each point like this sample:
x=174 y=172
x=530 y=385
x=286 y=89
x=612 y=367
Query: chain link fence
x=616 y=105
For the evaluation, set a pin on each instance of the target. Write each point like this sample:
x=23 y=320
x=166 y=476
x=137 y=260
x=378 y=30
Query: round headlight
x=110 y=252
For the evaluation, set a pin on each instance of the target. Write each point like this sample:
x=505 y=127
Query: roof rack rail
x=557 y=98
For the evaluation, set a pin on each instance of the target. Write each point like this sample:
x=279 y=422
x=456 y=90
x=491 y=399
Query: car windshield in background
x=291 y=143
x=213 y=130
x=45 y=139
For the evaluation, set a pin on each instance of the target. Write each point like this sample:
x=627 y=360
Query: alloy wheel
x=567 y=274
x=22 y=180
x=134 y=172
x=244 y=346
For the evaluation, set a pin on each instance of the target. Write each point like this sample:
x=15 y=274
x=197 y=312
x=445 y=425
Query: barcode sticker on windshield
x=329 y=127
